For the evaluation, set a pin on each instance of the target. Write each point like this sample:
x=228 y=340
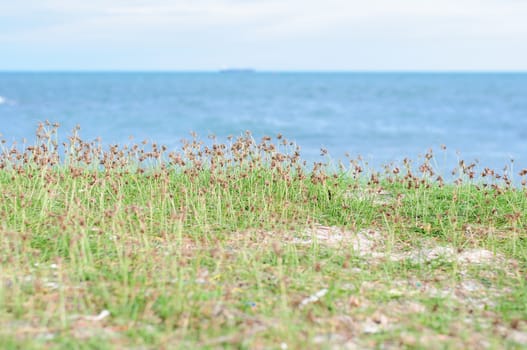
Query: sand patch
x=363 y=242
x=371 y=243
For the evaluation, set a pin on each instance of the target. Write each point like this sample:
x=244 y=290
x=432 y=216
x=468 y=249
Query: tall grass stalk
x=227 y=245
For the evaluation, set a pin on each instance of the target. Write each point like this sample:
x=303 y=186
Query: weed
x=244 y=244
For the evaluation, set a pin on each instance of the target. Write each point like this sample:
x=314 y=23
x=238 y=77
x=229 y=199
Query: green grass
x=222 y=247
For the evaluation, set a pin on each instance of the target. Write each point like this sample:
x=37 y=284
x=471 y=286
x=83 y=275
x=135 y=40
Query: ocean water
x=383 y=117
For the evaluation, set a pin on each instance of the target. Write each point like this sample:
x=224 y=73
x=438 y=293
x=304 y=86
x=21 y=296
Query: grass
x=244 y=245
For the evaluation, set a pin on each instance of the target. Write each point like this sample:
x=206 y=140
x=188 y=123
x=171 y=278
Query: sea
x=381 y=117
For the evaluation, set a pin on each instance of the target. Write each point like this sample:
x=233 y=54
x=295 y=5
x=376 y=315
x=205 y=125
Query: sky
x=279 y=35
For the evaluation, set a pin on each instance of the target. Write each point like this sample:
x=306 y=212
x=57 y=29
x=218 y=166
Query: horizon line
x=277 y=71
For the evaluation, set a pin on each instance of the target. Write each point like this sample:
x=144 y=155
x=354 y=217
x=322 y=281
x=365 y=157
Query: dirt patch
x=371 y=243
x=364 y=242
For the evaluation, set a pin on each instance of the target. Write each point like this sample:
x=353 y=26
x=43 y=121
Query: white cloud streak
x=264 y=23
x=271 y=19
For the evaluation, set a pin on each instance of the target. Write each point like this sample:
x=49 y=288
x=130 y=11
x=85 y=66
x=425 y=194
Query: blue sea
x=384 y=117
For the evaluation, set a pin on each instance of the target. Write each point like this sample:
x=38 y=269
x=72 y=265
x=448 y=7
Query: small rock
x=313 y=298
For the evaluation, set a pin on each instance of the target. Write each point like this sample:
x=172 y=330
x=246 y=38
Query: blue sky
x=263 y=34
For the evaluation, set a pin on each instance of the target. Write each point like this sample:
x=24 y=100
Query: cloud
x=262 y=31
x=99 y=20
x=271 y=19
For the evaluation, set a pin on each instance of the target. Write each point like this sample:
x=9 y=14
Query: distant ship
x=237 y=70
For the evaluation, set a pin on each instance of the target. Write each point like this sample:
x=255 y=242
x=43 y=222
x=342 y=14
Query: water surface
x=382 y=116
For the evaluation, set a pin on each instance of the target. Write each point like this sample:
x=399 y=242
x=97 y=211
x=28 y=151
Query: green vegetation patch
x=244 y=245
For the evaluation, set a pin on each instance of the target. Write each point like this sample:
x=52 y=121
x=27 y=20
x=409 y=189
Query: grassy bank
x=237 y=245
